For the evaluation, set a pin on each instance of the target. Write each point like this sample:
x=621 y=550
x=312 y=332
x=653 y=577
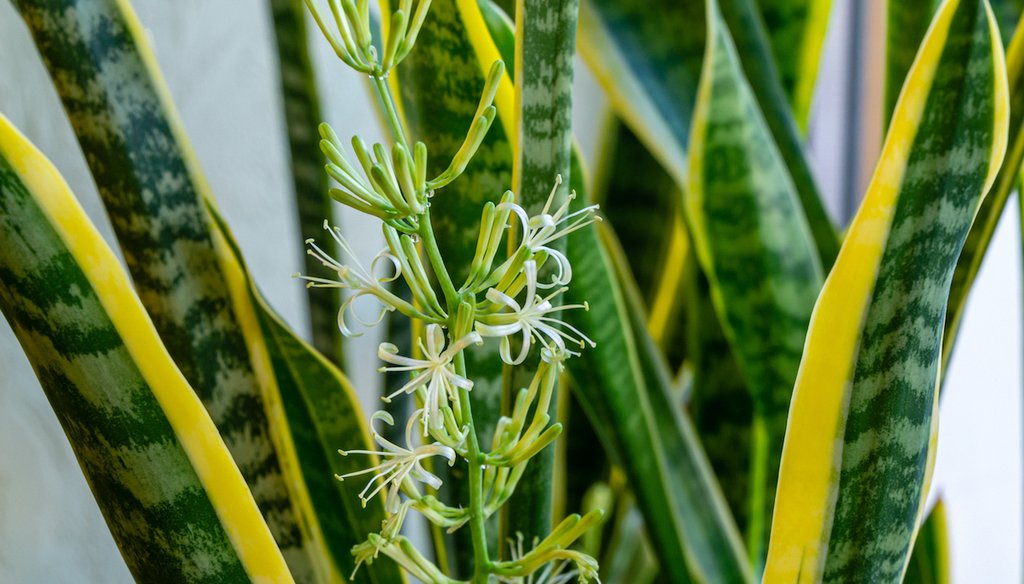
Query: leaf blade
x=169 y=490
x=878 y=320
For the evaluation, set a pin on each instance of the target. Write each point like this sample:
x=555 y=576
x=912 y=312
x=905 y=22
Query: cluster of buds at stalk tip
x=512 y=298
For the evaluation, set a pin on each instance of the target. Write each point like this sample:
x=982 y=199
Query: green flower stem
x=437 y=264
x=380 y=82
x=474 y=457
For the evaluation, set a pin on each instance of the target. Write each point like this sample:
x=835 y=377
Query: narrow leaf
x=650 y=73
x=301 y=108
x=155 y=194
x=860 y=445
x=755 y=246
x=796 y=29
x=172 y=497
x=545 y=40
x=980 y=236
x=627 y=392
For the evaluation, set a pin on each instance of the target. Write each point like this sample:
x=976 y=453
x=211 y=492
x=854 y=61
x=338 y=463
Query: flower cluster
x=510 y=297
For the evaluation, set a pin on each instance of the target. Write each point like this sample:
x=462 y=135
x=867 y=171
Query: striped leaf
x=650 y=73
x=439 y=86
x=625 y=388
x=172 y=497
x=754 y=244
x=796 y=29
x=301 y=108
x=860 y=445
x=545 y=44
x=929 y=562
x=155 y=194
x=994 y=204
x=315 y=412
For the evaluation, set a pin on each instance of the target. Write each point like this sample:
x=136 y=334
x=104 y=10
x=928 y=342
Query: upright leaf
x=905 y=26
x=545 y=46
x=648 y=68
x=754 y=244
x=860 y=444
x=155 y=194
x=994 y=204
x=172 y=497
x=720 y=402
x=650 y=72
x=628 y=393
x=301 y=108
x=643 y=205
x=796 y=29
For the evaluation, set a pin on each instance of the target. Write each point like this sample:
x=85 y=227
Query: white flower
x=532 y=320
x=540 y=230
x=354 y=277
x=397 y=464
x=434 y=372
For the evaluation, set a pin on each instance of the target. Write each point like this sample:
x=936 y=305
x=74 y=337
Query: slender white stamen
x=436 y=374
x=541 y=230
x=397 y=464
x=532 y=320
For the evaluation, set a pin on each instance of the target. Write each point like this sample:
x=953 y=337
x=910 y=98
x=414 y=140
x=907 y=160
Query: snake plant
x=669 y=365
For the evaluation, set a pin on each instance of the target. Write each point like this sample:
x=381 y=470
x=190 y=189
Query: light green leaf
x=301 y=108
x=860 y=445
x=755 y=246
x=172 y=497
x=155 y=194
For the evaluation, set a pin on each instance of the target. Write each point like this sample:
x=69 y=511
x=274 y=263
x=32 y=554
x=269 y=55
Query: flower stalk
x=494 y=304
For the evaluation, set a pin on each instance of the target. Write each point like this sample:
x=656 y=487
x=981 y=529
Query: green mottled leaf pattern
x=301 y=106
x=153 y=502
x=891 y=400
x=545 y=47
x=748 y=33
x=321 y=415
x=991 y=211
x=754 y=244
x=150 y=194
x=155 y=194
x=650 y=72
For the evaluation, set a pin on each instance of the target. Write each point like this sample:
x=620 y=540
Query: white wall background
x=219 y=66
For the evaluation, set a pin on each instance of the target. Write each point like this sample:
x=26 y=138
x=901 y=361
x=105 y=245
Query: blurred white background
x=219 y=65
